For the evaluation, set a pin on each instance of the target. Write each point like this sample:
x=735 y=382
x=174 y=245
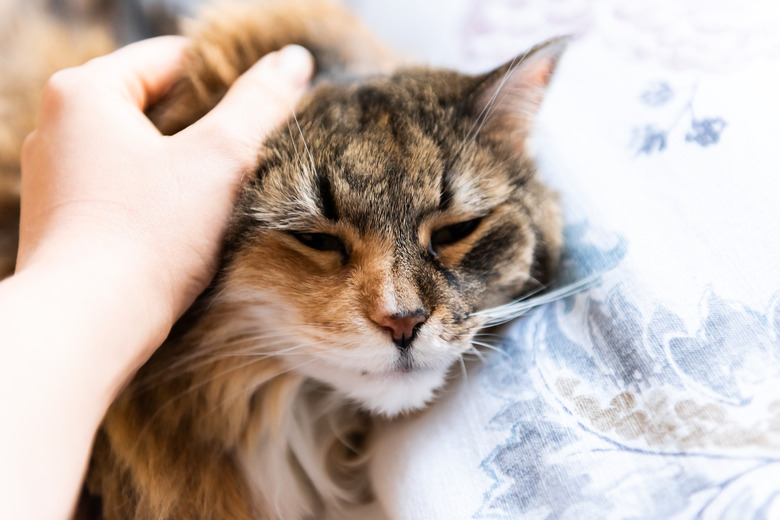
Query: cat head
x=386 y=215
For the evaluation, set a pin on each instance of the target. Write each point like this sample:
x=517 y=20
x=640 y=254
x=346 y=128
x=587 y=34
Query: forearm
x=69 y=337
x=120 y=230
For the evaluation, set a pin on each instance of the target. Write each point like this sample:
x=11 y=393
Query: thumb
x=257 y=103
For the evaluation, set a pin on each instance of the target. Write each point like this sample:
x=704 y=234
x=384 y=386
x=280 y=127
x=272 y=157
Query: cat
x=397 y=204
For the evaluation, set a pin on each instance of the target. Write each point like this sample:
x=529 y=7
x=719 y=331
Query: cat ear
x=508 y=98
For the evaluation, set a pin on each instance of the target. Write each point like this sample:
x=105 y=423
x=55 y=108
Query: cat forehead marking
x=380 y=156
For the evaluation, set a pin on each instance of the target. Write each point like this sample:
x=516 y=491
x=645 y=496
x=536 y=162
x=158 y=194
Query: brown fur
x=230 y=37
x=258 y=404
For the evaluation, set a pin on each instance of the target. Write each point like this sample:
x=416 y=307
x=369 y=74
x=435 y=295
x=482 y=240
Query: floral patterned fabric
x=655 y=393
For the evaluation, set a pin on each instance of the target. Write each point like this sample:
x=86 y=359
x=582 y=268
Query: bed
x=654 y=392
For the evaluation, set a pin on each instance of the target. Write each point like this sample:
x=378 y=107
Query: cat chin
x=398 y=393
x=388 y=394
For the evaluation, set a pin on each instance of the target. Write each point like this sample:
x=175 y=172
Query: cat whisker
x=235 y=395
x=180 y=395
x=507 y=312
x=477 y=353
x=487 y=335
x=306 y=146
x=463 y=369
x=259 y=346
x=250 y=353
x=230 y=342
x=295 y=147
x=489 y=347
x=226 y=350
x=208 y=381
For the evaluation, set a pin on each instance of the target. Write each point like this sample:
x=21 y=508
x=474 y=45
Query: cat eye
x=451 y=234
x=321 y=242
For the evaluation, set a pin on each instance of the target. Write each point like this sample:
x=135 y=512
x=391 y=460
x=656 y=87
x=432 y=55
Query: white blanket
x=656 y=393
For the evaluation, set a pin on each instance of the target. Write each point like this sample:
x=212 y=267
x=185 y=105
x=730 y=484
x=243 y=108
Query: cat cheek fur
x=317 y=321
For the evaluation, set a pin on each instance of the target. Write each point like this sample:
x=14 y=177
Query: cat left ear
x=508 y=98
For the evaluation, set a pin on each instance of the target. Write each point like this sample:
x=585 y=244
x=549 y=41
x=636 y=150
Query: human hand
x=120 y=231
x=139 y=214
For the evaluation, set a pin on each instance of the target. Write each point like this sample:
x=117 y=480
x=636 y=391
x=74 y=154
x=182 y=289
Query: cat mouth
x=405 y=366
x=405 y=363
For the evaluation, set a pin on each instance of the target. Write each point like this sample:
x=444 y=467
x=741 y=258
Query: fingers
x=138 y=73
x=258 y=102
x=147 y=68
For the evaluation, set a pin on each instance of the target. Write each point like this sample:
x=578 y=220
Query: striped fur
x=394 y=193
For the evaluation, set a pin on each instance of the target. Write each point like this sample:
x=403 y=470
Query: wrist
x=65 y=357
x=108 y=306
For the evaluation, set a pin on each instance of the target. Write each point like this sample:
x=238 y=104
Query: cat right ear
x=507 y=99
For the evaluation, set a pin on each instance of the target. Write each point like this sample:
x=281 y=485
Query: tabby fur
x=261 y=403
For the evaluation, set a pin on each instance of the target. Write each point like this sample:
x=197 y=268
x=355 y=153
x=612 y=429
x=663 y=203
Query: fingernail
x=296 y=63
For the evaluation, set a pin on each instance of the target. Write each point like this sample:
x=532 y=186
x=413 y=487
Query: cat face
x=382 y=219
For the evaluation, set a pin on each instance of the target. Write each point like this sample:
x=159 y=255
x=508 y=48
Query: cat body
x=394 y=205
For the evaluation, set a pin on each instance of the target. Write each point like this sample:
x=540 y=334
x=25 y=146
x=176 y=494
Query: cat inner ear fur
x=507 y=99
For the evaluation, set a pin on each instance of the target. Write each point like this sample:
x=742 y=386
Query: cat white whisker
x=487 y=335
x=295 y=147
x=463 y=369
x=507 y=312
x=306 y=146
x=489 y=347
x=232 y=397
x=204 y=357
x=477 y=353
x=211 y=379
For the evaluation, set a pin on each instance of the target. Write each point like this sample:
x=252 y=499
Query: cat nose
x=402 y=327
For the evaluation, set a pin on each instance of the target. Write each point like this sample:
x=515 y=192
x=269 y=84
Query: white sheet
x=655 y=394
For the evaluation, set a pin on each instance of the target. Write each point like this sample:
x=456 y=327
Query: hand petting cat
x=120 y=230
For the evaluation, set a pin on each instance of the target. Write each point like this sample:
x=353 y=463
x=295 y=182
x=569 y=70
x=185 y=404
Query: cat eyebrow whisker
x=486 y=174
x=306 y=146
x=295 y=147
x=323 y=183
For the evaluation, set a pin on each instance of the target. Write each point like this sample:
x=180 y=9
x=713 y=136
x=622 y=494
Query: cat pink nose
x=402 y=327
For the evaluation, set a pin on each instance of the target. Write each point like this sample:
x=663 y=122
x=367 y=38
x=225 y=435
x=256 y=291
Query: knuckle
x=28 y=147
x=64 y=86
x=232 y=148
x=63 y=82
x=232 y=145
x=267 y=87
x=275 y=93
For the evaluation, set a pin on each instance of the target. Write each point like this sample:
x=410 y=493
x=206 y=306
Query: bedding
x=655 y=391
